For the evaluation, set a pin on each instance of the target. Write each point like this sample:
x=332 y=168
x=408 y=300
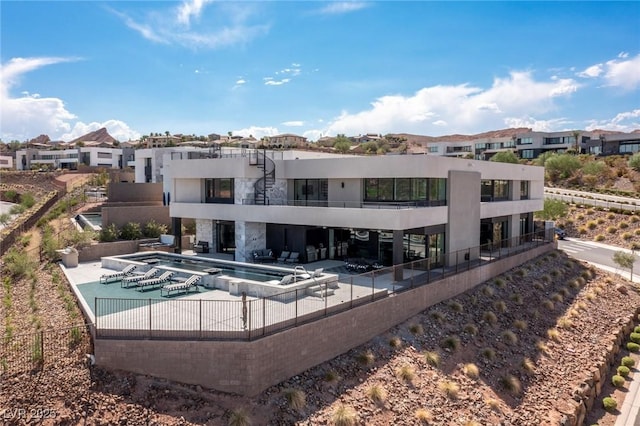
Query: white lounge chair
x=317 y=273
x=154 y=282
x=284 y=281
x=191 y=282
x=133 y=279
x=284 y=256
x=294 y=257
x=126 y=271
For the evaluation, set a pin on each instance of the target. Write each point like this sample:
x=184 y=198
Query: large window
x=219 y=191
x=630 y=148
x=494 y=190
x=310 y=192
x=524 y=189
x=419 y=191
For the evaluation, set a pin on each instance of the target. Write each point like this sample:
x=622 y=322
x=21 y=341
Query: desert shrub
x=406 y=373
x=623 y=371
x=599 y=237
x=416 y=329
x=377 y=394
x=561 y=166
x=366 y=357
x=500 y=283
x=557 y=297
x=623 y=225
x=520 y=325
x=633 y=347
x=296 y=398
x=545 y=278
x=451 y=342
x=511 y=384
x=11 y=196
x=637 y=231
x=617 y=381
x=528 y=365
x=611 y=216
x=332 y=376
x=612 y=229
x=344 y=415
x=18 y=264
x=634 y=219
x=516 y=298
x=153 y=229
x=509 y=337
x=471 y=371
x=553 y=334
x=594 y=168
x=636 y=329
x=600 y=221
x=565 y=323
x=449 y=388
x=500 y=306
x=542 y=347
x=538 y=285
x=609 y=403
x=488 y=353
x=471 y=329
x=634 y=162
x=423 y=415
x=627 y=236
x=548 y=304
x=131 y=231
x=489 y=317
x=239 y=417
x=395 y=342
x=109 y=233
x=437 y=316
x=488 y=291
x=582 y=230
x=628 y=361
x=635 y=337
x=493 y=403
x=455 y=306
x=432 y=358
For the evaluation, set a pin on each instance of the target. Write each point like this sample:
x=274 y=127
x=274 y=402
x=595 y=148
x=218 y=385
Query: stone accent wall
x=249 y=367
x=250 y=236
x=97 y=251
x=278 y=192
x=205 y=231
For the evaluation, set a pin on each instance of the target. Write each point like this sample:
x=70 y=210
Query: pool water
x=232 y=269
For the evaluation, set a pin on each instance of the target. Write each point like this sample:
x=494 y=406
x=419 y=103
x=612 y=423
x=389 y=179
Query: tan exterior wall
x=250 y=367
x=96 y=251
x=125 y=192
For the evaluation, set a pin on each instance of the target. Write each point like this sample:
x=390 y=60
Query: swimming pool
x=90 y=220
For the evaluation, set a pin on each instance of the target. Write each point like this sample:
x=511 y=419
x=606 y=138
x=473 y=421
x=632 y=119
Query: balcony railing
x=353 y=204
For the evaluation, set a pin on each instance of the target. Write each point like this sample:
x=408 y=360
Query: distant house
x=161 y=141
x=369 y=137
x=286 y=140
x=6 y=162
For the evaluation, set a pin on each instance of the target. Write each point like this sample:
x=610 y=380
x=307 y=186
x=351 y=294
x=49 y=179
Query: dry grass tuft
x=449 y=388
x=432 y=358
x=406 y=373
x=471 y=371
x=344 y=415
x=366 y=358
x=239 y=417
x=377 y=394
x=520 y=325
x=296 y=398
x=423 y=415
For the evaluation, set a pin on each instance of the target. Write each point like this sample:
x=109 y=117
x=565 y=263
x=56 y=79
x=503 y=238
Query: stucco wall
x=250 y=367
x=96 y=251
x=125 y=214
x=126 y=191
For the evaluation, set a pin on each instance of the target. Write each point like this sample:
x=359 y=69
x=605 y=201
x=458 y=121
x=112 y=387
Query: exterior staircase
x=267 y=180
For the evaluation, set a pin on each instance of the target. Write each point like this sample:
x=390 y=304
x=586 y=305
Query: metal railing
x=256 y=317
x=43 y=349
x=353 y=204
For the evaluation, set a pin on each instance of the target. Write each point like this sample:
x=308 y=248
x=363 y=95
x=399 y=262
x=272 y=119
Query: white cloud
x=190 y=9
x=293 y=123
x=177 y=26
x=622 y=122
x=535 y=124
x=271 y=82
x=30 y=115
x=462 y=108
x=257 y=132
x=623 y=73
x=340 y=7
x=592 y=71
x=241 y=81
x=623 y=55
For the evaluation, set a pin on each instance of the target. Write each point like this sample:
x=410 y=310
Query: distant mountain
x=43 y=139
x=421 y=140
x=100 y=135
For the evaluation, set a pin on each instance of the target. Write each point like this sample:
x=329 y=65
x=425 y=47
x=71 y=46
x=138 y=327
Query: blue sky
x=316 y=68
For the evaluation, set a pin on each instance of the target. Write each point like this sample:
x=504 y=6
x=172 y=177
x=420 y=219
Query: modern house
x=391 y=209
x=70 y=158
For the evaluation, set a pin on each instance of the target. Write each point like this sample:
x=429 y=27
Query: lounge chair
x=133 y=279
x=191 y=282
x=126 y=271
x=154 y=282
x=317 y=273
x=284 y=256
x=293 y=258
x=284 y=281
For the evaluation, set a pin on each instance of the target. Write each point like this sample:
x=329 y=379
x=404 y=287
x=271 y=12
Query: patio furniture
x=133 y=279
x=284 y=281
x=126 y=271
x=293 y=258
x=263 y=256
x=201 y=247
x=284 y=256
x=183 y=287
x=155 y=282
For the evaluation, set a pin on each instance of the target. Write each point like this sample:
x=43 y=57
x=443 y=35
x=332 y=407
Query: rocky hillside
x=100 y=135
